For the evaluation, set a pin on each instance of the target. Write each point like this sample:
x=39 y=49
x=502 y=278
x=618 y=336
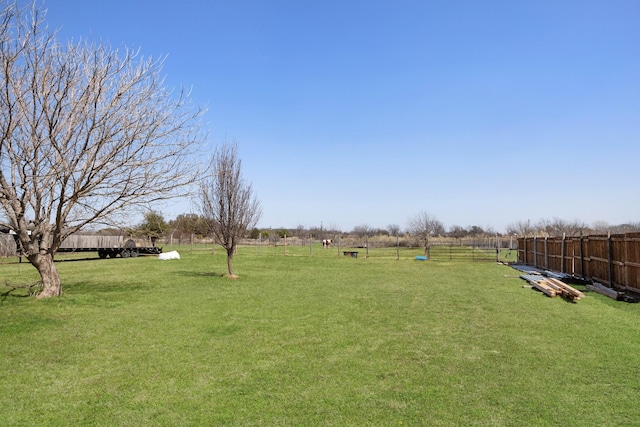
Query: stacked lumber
x=565 y=290
x=543 y=286
x=552 y=287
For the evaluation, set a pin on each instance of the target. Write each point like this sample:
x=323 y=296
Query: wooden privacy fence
x=613 y=260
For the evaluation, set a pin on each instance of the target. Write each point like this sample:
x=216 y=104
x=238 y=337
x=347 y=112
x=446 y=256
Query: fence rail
x=613 y=259
x=444 y=252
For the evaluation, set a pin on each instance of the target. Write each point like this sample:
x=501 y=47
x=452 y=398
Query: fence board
x=76 y=241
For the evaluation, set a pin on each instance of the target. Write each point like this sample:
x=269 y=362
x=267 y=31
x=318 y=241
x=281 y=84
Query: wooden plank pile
x=552 y=287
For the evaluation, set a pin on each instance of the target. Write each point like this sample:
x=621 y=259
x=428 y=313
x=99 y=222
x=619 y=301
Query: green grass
x=311 y=340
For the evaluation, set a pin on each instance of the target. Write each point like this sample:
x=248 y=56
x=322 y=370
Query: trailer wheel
x=125 y=253
x=102 y=254
x=134 y=253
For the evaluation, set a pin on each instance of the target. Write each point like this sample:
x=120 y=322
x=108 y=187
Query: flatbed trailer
x=123 y=252
x=106 y=246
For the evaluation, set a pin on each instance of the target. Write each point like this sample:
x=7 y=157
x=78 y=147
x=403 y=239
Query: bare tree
x=228 y=201
x=424 y=225
x=600 y=227
x=631 y=227
x=521 y=228
x=85 y=133
x=458 y=231
x=394 y=230
x=476 y=230
x=559 y=227
x=364 y=230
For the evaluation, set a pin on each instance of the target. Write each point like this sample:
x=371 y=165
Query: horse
x=326 y=243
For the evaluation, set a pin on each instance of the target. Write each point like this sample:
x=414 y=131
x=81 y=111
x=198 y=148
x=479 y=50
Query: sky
x=351 y=113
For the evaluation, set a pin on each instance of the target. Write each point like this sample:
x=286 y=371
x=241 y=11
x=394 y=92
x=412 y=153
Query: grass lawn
x=311 y=339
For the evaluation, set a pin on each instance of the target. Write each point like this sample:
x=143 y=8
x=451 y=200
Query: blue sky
x=369 y=112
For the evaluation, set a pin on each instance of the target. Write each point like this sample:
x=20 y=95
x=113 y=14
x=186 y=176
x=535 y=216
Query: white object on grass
x=169 y=255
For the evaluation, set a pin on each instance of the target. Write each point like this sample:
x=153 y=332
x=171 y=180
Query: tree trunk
x=51 y=285
x=426 y=246
x=230 y=260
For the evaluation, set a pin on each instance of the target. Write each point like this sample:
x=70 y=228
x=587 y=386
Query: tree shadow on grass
x=201 y=274
x=31 y=289
x=77 y=259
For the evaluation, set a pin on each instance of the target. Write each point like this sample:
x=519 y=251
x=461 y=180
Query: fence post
x=473 y=249
x=535 y=252
x=582 y=254
x=546 y=252
x=397 y=245
x=366 y=246
x=564 y=235
x=625 y=258
x=610 y=258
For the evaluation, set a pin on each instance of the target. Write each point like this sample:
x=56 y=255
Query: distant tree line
x=420 y=228
x=556 y=227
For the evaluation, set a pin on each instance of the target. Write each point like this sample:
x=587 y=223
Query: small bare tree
x=600 y=227
x=228 y=201
x=363 y=231
x=394 y=230
x=424 y=225
x=521 y=228
x=86 y=133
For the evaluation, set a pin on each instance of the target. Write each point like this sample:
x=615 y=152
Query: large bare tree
x=86 y=133
x=227 y=200
x=424 y=225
